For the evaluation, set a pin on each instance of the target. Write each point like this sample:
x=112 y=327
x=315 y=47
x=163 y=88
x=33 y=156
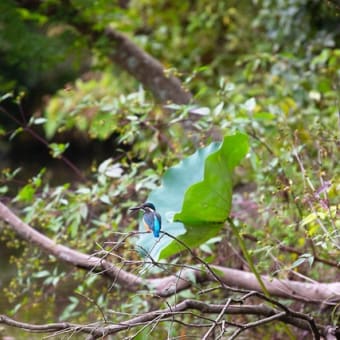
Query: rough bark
x=146 y=69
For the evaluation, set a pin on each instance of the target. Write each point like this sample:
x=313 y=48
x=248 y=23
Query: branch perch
x=326 y=293
x=98 y=330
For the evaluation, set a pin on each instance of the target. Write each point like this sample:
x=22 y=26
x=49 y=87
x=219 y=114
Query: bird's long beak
x=132 y=210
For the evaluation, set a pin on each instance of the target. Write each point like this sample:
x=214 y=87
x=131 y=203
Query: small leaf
x=264 y=116
x=110 y=170
x=202 y=111
x=26 y=193
x=73 y=228
x=74 y=300
x=15 y=309
x=104 y=165
x=308 y=219
x=15 y=132
x=41 y=274
x=296 y=263
x=250 y=104
x=303 y=258
x=39 y=121
x=174 y=107
x=218 y=109
x=114 y=171
x=315 y=95
x=311 y=260
x=105 y=199
x=6 y=96
x=83 y=191
x=190 y=276
x=3 y=189
x=205 y=247
x=58 y=149
x=83 y=210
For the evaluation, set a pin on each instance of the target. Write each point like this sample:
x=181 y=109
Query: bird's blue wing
x=153 y=221
x=157 y=223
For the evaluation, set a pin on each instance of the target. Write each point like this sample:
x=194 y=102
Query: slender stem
x=253 y=268
x=248 y=257
x=25 y=127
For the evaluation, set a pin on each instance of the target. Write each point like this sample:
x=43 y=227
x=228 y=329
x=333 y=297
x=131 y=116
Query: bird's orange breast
x=148 y=229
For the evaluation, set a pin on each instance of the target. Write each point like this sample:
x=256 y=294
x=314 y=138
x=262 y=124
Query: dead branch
x=98 y=330
x=146 y=69
x=68 y=255
x=326 y=293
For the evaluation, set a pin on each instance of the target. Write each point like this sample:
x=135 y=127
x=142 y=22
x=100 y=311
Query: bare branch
x=256 y=324
x=63 y=253
x=326 y=293
x=46 y=328
x=149 y=71
x=99 y=330
x=218 y=319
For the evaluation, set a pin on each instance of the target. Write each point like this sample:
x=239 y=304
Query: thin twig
x=218 y=319
x=256 y=324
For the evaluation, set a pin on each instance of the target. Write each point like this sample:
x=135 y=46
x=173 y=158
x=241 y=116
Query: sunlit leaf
x=41 y=274
x=201 y=111
x=26 y=193
x=250 y=104
x=57 y=149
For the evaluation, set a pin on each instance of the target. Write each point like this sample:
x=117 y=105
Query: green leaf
x=41 y=274
x=69 y=310
x=15 y=309
x=74 y=226
x=264 y=116
x=3 y=189
x=37 y=121
x=195 y=197
x=26 y=193
x=58 y=149
x=218 y=109
x=250 y=104
x=210 y=200
x=303 y=258
x=15 y=133
x=6 y=96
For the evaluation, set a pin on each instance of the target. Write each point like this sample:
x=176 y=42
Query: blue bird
x=151 y=219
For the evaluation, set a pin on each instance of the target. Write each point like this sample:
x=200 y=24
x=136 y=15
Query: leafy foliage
x=269 y=69
x=25 y=64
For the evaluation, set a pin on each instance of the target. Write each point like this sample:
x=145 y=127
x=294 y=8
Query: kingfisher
x=151 y=219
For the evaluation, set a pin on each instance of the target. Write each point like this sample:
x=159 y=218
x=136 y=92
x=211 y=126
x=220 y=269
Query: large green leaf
x=194 y=199
x=210 y=200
